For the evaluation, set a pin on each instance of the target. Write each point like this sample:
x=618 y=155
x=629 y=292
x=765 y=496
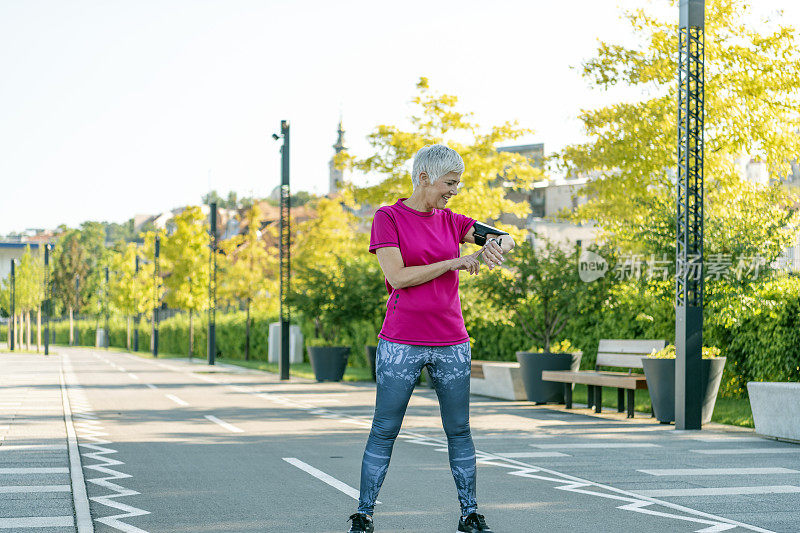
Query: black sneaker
x=361 y=523
x=473 y=523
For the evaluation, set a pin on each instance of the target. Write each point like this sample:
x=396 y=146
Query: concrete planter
x=776 y=409
x=328 y=362
x=531 y=366
x=500 y=379
x=660 y=374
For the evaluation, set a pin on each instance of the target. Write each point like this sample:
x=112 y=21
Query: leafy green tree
x=249 y=271
x=130 y=293
x=186 y=265
x=488 y=174
x=752 y=108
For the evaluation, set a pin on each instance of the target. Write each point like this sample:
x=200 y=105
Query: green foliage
x=538 y=290
x=351 y=290
x=185 y=262
x=249 y=271
x=752 y=108
x=668 y=352
x=437 y=120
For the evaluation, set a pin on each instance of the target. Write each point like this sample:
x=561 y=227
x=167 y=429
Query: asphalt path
x=171 y=445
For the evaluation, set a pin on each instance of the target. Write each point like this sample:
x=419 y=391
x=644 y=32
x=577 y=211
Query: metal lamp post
x=156 y=277
x=138 y=314
x=47 y=299
x=285 y=259
x=12 y=332
x=689 y=242
x=105 y=337
x=212 y=283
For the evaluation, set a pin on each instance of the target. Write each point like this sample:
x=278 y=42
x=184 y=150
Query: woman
x=417 y=242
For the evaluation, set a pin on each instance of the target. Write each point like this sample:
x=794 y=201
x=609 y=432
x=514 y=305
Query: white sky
x=113 y=108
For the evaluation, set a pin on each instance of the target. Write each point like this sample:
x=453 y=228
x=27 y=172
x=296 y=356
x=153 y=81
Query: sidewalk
x=35 y=479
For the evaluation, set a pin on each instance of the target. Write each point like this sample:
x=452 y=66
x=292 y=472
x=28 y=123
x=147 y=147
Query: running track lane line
x=325 y=478
x=83 y=516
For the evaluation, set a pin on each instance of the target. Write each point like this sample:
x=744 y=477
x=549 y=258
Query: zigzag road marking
x=89 y=428
x=634 y=502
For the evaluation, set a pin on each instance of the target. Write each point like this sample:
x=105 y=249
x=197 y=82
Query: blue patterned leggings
x=397 y=369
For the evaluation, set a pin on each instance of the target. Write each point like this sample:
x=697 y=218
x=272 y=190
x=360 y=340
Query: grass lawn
x=735 y=412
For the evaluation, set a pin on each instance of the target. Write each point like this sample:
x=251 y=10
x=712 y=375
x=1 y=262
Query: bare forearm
x=417 y=275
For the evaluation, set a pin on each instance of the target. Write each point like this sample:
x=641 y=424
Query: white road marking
x=577 y=445
x=151 y=386
x=723 y=438
x=36 y=521
x=717 y=471
x=42 y=470
x=176 y=399
x=20 y=447
x=80 y=499
x=13 y=489
x=742 y=451
x=720 y=491
x=224 y=424
x=134 y=376
x=522 y=455
x=325 y=478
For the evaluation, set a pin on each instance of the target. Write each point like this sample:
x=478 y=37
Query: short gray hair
x=435 y=160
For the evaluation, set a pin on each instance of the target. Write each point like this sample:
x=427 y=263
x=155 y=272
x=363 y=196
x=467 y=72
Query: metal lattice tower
x=285 y=243
x=689 y=245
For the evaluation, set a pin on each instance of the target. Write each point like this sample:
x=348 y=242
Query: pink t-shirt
x=428 y=314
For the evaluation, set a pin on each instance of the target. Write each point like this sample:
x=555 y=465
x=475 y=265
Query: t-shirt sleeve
x=384 y=232
x=463 y=223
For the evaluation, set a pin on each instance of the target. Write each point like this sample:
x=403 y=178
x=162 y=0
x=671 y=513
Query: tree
x=752 y=108
x=250 y=270
x=186 y=265
x=130 y=293
x=488 y=174
x=29 y=285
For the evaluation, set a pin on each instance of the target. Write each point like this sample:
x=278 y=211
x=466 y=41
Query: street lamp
x=285 y=259
x=47 y=302
x=12 y=332
x=689 y=234
x=155 y=294
x=105 y=340
x=212 y=283
x=138 y=314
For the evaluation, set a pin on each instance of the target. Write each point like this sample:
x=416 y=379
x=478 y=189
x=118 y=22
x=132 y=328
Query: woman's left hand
x=492 y=253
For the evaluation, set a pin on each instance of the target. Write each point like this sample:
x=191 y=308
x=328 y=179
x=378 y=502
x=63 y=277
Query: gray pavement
x=170 y=445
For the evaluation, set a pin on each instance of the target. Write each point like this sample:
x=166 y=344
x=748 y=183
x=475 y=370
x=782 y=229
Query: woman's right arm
x=400 y=276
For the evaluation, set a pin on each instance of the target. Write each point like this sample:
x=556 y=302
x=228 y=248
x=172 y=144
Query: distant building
x=13 y=250
x=336 y=176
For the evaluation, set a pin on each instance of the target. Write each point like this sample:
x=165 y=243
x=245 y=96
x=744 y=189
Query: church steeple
x=336 y=175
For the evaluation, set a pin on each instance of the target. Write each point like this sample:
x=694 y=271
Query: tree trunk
x=38 y=328
x=191 y=333
x=247 y=333
x=71 y=334
x=28 y=330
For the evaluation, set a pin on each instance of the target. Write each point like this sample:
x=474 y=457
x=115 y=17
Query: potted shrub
x=540 y=287
x=328 y=361
x=659 y=369
x=559 y=356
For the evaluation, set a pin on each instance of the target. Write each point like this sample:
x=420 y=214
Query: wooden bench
x=610 y=353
